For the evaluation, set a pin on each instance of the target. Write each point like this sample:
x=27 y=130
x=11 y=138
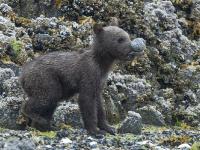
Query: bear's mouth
x=138 y=46
x=132 y=54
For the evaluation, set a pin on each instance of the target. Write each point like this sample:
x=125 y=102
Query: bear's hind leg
x=43 y=96
x=39 y=113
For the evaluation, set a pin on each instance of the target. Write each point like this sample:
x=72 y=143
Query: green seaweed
x=196 y=146
x=18 y=53
x=1 y=129
x=16 y=47
x=49 y=134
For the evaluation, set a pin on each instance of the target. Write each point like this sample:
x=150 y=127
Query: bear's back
x=54 y=61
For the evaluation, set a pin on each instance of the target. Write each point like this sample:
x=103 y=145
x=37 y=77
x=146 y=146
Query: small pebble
x=93 y=144
x=184 y=146
x=65 y=141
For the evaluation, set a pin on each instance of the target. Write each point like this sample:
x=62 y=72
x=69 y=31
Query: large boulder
x=11 y=98
x=4 y=75
x=123 y=92
x=132 y=124
x=69 y=114
x=9 y=112
x=151 y=116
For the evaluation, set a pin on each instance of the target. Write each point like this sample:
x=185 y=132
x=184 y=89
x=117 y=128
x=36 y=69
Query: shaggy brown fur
x=53 y=77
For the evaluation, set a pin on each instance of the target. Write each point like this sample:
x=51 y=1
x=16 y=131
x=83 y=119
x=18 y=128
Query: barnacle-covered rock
x=151 y=116
x=5 y=74
x=69 y=114
x=12 y=88
x=6 y=25
x=124 y=92
x=132 y=124
x=195 y=14
x=6 y=10
x=9 y=112
x=11 y=98
x=162 y=25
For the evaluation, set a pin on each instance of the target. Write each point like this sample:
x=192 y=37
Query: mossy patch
x=16 y=47
x=196 y=146
x=182 y=125
x=58 y=3
x=5 y=59
x=1 y=129
x=18 y=54
x=65 y=126
x=49 y=134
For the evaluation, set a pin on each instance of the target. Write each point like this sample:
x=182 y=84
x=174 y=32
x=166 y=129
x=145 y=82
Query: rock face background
x=161 y=88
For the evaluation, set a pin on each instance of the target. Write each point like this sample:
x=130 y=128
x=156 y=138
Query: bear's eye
x=120 y=40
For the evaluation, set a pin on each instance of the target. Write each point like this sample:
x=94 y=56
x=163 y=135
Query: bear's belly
x=69 y=89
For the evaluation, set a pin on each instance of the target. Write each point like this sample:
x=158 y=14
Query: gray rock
x=193 y=114
x=138 y=44
x=41 y=40
x=9 y=112
x=8 y=24
x=165 y=107
x=162 y=25
x=17 y=144
x=93 y=144
x=132 y=124
x=12 y=87
x=5 y=9
x=190 y=97
x=64 y=31
x=164 y=100
x=151 y=116
x=69 y=114
x=5 y=73
x=198 y=95
x=42 y=21
x=5 y=38
x=15 y=68
x=65 y=141
x=195 y=10
x=3 y=23
x=121 y=93
x=184 y=146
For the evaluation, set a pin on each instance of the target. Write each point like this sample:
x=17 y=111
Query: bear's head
x=116 y=42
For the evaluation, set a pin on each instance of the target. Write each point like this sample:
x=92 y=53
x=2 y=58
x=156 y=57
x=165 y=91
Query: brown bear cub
x=56 y=76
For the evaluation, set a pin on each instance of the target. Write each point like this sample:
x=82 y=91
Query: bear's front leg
x=87 y=105
x=102 y=122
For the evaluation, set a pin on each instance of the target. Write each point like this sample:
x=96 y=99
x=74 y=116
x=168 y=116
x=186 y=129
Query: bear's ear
x=114 y=21
x=97 y=28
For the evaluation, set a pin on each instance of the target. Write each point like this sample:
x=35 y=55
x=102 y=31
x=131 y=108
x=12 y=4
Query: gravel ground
x=163 y=138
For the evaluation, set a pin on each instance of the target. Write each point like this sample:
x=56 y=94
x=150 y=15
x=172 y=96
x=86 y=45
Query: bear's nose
x=138 y=45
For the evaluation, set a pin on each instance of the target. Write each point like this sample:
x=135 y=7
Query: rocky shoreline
x=161 y=89
x=155 y=138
